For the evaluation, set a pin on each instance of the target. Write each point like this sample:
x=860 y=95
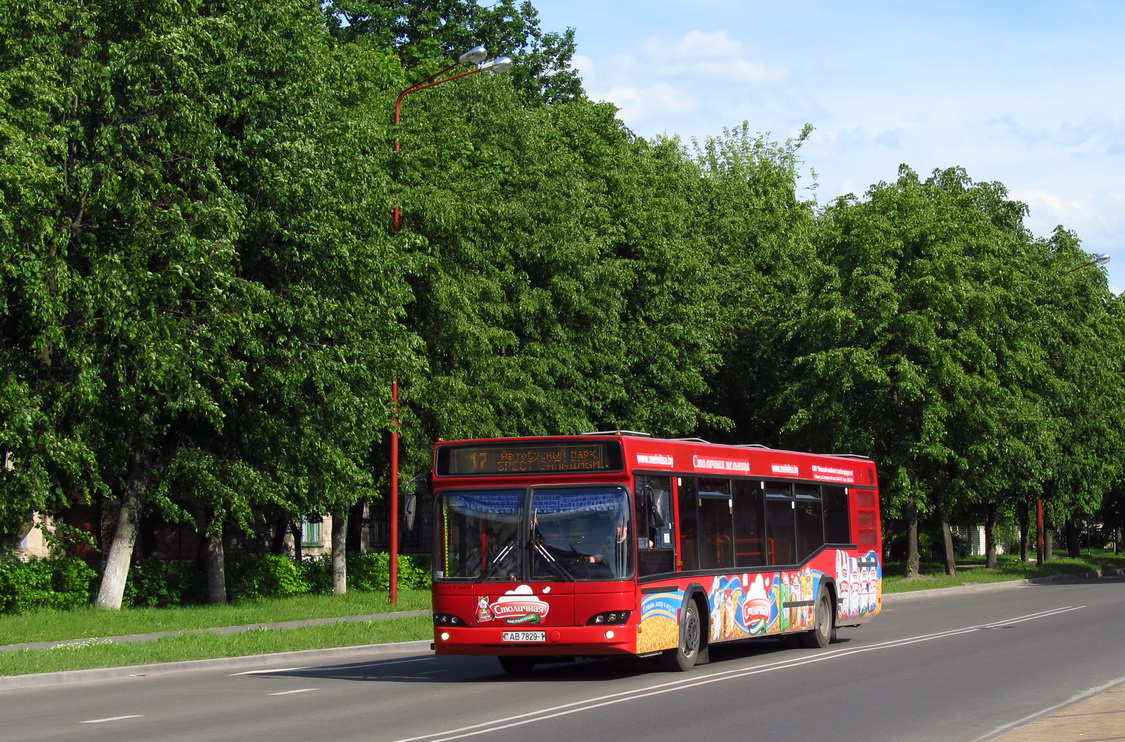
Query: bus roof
x=622 y=452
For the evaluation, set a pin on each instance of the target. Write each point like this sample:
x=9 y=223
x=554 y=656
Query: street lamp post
x=1096 y=260
x=476 y=56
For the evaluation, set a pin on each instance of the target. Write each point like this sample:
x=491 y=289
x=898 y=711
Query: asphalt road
x=946 y=666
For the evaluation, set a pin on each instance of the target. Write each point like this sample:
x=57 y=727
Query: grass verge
x=93 y=653
x=972 y=570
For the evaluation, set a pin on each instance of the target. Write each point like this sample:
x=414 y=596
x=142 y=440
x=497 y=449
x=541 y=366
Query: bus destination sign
x=529 y=458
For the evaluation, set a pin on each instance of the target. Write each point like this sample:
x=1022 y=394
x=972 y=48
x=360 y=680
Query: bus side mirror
x=409 y=508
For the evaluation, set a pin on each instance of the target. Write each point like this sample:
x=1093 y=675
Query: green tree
x=757 y=239
x=221 y=302
x=917 y=353
x=556 y=283
x=1080 y=329
x=426 y=33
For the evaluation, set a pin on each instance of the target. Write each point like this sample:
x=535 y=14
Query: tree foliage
x=202 y=307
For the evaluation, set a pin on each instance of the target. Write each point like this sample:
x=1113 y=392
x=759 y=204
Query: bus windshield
x=538 y=534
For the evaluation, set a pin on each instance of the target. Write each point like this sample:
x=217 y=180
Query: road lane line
x=112 y=718
x=291 y=692
x=331 y=668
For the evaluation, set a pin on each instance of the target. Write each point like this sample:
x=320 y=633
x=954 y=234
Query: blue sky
x=1030 y=93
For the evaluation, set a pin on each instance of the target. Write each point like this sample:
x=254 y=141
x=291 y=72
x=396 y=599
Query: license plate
x=524 y=636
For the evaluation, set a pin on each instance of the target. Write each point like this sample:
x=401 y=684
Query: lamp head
x=500 y=64
x=474 y=56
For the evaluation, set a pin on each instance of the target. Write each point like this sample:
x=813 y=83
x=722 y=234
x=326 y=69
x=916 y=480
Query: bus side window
x=689 y=524
x=715 y=531
x=810 y=521
x=751 y=548
x=654 y=525
x=780 y=523
x=837 y=523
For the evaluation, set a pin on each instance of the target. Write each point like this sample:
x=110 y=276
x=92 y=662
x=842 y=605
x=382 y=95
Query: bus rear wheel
x=824 y=623
x=683 y=657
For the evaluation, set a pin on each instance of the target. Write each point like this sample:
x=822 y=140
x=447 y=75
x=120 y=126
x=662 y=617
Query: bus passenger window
x=751 y=549
x=837 y=524
x=780 y=529
x=716 y=548
x=689 y=524
x=810 y=523
x=654 y=525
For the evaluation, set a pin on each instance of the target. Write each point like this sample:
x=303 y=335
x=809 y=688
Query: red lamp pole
x=475 y=55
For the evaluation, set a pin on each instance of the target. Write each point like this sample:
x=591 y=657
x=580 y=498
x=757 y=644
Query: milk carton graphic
x=853 y=595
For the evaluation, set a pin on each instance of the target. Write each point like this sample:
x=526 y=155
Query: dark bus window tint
x=688 y=555
x=750 y=548
x=810 y=524
x=780 y=529
x=654 y=525
x=715 y=532
x=837 y=524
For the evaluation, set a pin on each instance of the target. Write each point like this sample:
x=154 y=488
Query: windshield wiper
x=505 y=550
x=551 y=561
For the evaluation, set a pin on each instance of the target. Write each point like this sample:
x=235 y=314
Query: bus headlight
x=447 y=619
x=444 y=636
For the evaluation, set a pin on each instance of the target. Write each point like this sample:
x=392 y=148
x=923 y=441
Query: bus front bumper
x=554 y=641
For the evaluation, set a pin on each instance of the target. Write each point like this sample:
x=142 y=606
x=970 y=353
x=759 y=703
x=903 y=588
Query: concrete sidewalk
x=1097 y=715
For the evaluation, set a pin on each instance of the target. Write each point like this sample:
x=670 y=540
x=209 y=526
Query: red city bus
x=552 y=548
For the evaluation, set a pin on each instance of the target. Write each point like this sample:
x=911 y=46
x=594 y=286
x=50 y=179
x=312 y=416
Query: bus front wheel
x=824 y=623
x=683 y=657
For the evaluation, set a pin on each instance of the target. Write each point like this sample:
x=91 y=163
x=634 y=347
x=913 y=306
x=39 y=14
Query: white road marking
x=332 y=668
x=112 y=718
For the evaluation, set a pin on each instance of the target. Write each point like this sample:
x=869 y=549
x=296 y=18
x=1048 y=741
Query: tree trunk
x=355 y=528
x=913 y=566
x=1073 y=540
x=280 y=532
x=216 y=567
x=298 y=537
x=339 y=551
x=947 y=543
x=990 y=536
x=112 y=588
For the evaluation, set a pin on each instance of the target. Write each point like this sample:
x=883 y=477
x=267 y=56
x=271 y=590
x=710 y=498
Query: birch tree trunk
x=112 y=589
x=340 y=551
x=216 y=568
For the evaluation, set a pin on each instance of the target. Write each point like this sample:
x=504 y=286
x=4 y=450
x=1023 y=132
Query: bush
x=160 y=583
x=256 y=576
x=54 y=583
x=371 y=572
x=318 y=573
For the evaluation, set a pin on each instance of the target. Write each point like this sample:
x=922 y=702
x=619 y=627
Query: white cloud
x=641 y=104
